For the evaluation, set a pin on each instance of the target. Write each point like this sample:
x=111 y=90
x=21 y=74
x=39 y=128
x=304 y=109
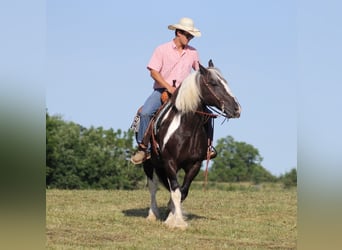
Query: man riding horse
x=169 y=65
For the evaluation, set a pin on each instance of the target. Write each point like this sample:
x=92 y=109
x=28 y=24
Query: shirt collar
x=175 y=47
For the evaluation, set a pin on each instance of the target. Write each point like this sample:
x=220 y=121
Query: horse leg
x=152 y=182
x=175 y=218
x=153 y=212
x=190 y=174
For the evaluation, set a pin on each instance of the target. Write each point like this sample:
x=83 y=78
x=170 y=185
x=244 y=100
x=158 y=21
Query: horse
x=182 y=139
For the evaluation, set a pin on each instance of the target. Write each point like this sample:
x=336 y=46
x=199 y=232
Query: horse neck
x=201 y=107
x=196 y=116
x=187 y=97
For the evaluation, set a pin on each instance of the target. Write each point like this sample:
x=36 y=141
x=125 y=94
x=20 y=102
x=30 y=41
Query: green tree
x=237 y=161
x=77 y=157
x=62 y=141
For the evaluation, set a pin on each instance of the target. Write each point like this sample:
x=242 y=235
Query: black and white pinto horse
x=182 y=137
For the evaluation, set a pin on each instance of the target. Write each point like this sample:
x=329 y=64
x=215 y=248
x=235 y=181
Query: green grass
x=263 y=218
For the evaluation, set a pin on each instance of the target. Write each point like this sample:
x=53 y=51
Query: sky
x=97 y=52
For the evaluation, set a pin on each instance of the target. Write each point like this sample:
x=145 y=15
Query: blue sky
x=97 y=53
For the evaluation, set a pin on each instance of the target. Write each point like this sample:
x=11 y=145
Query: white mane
x=189 y=94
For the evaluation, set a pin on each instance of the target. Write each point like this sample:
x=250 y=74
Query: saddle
x=154 y=124
x=165 y=97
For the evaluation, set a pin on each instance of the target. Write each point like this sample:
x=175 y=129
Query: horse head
x=216 y=92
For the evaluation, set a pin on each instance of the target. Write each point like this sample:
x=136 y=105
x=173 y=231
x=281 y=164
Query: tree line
x=95 y=158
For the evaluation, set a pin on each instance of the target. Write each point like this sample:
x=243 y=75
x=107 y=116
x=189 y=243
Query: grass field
x=248 y=218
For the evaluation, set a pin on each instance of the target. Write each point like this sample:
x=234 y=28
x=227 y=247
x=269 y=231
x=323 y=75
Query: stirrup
x=147 y=155
x=213 y=152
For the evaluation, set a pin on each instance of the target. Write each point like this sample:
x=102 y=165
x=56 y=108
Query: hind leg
x=152 y=181
x=153 y=213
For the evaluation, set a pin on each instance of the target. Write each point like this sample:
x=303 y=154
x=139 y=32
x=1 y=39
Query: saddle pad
x=135 y=124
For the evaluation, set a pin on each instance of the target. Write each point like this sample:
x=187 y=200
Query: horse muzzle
x=235 y=112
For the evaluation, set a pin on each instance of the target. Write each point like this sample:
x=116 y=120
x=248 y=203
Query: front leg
x=190 y=174
x=175 y=218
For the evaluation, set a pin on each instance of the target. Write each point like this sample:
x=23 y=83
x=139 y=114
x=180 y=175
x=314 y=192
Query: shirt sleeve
x=195 y=64
x=156 y=61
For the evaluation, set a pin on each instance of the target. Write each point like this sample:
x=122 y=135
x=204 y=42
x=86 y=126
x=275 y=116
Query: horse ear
x=211 y=64
x=202 y=69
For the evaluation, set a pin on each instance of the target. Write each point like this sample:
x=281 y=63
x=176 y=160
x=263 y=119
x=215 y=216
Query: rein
x=207 y=115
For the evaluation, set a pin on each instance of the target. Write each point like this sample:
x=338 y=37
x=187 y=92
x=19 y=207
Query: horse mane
x=189 y=94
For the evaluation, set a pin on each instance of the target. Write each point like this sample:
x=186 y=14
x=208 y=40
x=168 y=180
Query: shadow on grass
x=164 y=211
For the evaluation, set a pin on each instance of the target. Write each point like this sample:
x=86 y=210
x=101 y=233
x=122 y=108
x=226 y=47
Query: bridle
x=218 y=112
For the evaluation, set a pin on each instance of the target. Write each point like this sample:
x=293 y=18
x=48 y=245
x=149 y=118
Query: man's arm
x=159 y=79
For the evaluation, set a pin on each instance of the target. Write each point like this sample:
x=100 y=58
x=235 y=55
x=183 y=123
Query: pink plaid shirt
x=172 y=65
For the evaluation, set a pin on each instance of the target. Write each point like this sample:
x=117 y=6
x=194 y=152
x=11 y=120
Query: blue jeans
x=150 y=106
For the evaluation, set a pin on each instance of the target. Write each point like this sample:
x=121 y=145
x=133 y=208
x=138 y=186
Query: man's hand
x=171 y=89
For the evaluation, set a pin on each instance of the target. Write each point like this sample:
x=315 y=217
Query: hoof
x=152 y=216
x=181 y=224
x=176 y=222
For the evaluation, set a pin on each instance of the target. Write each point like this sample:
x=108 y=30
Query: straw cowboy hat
x=187 y=25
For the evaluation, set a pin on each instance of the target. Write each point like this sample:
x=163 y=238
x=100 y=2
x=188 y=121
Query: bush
x=289 y=179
